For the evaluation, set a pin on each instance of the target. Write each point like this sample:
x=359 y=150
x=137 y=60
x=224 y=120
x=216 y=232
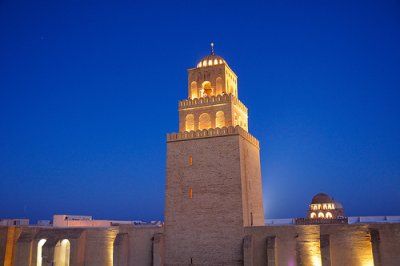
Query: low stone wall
x=340 y=244
x=102 y=246
x=333 y=245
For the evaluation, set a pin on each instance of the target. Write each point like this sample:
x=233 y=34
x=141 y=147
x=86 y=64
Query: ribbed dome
x=321 y=198
x=211 y=60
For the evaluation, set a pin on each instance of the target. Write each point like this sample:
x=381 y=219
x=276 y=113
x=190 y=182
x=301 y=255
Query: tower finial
x=212 y=48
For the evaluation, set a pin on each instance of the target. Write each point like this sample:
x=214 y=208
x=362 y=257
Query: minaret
x=213 y=186
x=211 y=80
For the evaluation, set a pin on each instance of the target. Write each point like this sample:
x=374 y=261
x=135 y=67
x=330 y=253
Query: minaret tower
x=213 y=186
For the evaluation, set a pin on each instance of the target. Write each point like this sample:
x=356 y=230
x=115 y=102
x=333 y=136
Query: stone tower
x=213 y=186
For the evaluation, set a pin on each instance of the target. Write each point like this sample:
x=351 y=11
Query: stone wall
x=207 y=227
x=333 y=245
x=118 y=245
x=358 y=245
x=209 y=200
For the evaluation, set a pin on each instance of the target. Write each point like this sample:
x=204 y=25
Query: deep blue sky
x=88 y=90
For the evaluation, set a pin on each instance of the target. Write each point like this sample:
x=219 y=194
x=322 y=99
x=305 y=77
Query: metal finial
x=212 y=48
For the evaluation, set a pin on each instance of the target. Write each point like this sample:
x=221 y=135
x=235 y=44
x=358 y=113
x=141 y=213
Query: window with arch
x=313 y=215
x=218 y=86
x=321 y=215
x=189 y=122
x=204 y=121
x=62 y=253
x=193 y=90
x=220 y=119
x=39 y=255
x=328 y=215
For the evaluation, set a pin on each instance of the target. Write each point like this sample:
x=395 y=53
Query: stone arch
x=328 y=215
x=62 y=253
x=321 y=215
x=193 y=90
x=313 y=215
x=220 y=119
x=39 y=252
x=218 y=86
x=204 y=121
x=189 y=122
x=207 y=89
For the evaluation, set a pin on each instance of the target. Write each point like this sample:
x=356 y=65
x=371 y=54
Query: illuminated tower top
x=212 y=76
x=212 y=97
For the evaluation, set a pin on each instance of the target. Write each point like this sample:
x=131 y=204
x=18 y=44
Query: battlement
x=213 y=132
x=211 y=100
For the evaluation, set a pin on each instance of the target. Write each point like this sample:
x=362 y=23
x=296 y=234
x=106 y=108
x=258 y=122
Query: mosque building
x=214 y=211
x=324 y=209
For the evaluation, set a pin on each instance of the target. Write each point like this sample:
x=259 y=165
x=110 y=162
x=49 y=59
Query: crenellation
x=211 y=100
x=213 y=132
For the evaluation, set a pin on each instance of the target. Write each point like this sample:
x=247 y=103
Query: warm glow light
x=313 y=215
x=328 y=215
x=220 y=119
x=62 y=253
x=39 y=252
x=320 y=215
x=189 y=122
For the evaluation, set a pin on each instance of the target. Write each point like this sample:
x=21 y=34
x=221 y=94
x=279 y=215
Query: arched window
x=220 y=119
x=204 y=121
x=218 y=86
x=207 y=89
x=61 y=253
x=328 y=215
x=189 y=122
x=215 y=61
x=193 y=90
x=39 y=256
x=313 y=215
x=321 y=215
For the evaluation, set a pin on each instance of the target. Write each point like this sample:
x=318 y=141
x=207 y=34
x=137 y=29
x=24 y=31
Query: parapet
x=213 y=132
x=211 y=100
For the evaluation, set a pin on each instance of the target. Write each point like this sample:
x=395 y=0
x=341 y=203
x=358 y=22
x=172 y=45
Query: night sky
x=89 y=89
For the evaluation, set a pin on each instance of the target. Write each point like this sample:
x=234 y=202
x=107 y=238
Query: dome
x=321 y=198
x=211 y=60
